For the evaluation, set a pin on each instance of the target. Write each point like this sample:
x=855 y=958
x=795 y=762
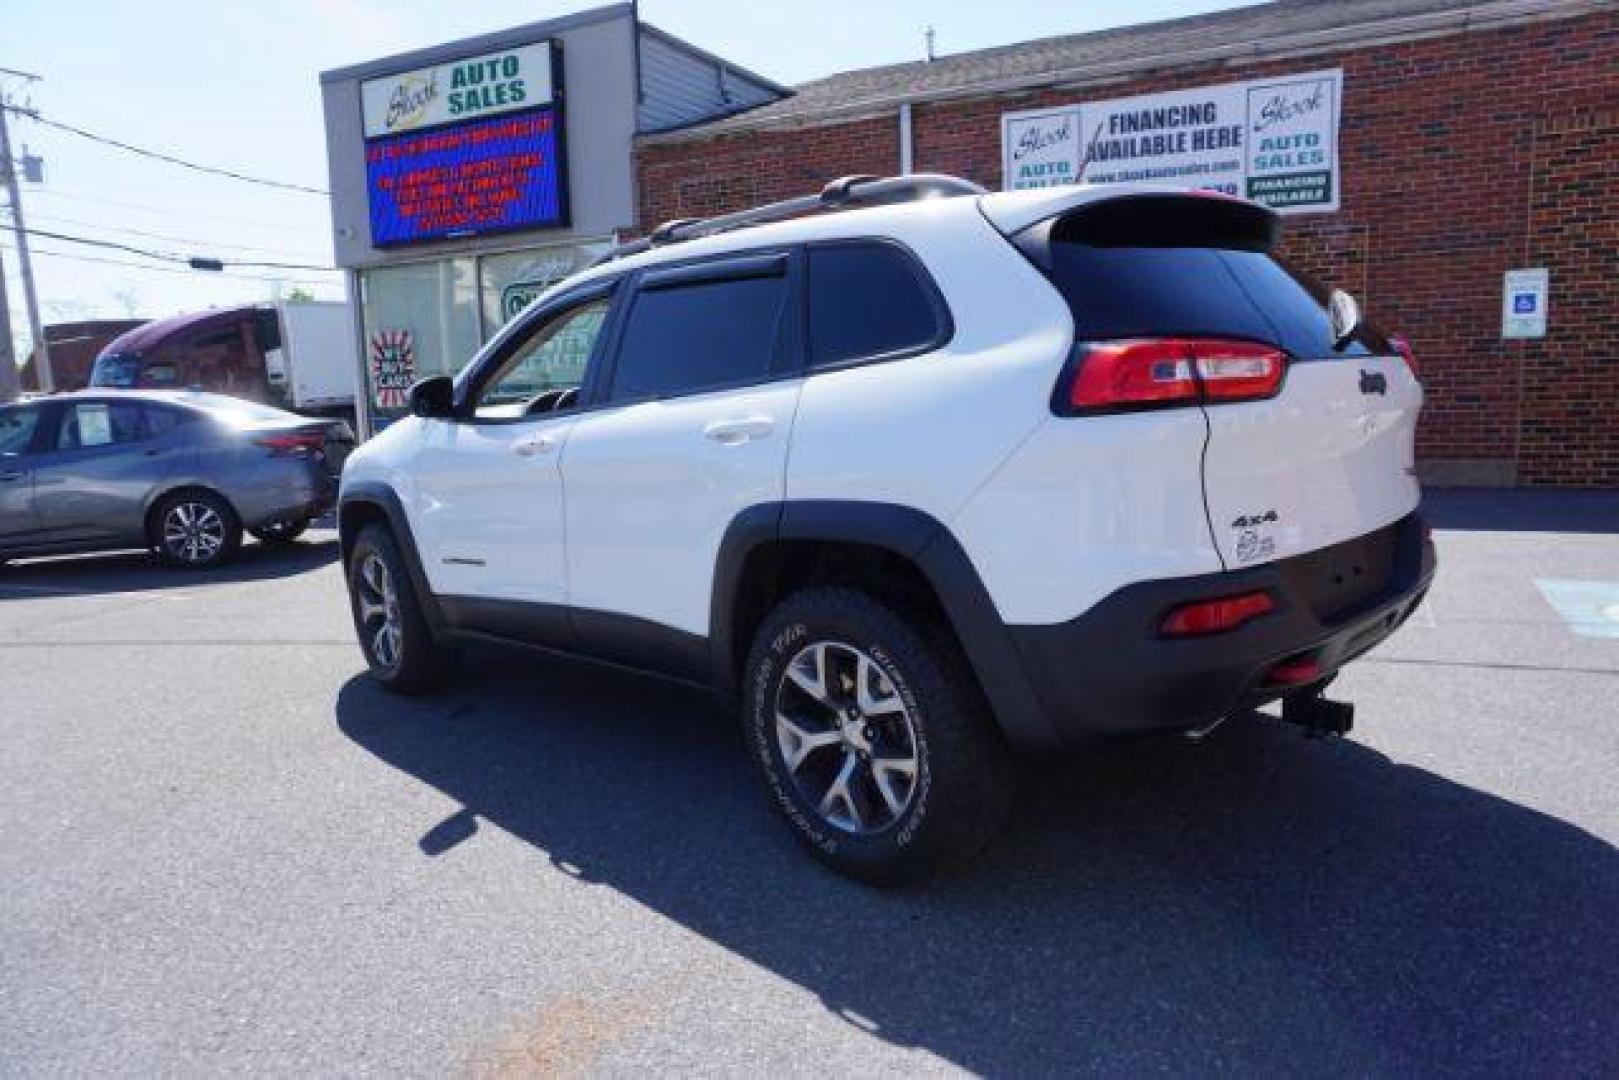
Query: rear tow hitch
x=1317 y=715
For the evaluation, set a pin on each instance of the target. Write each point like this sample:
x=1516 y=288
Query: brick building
x=1470 y=139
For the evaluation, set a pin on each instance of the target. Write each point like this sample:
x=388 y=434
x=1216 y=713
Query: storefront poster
x=1272 y=140
x=393 y=367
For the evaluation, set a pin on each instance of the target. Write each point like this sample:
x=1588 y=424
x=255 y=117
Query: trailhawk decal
x=1252 y=536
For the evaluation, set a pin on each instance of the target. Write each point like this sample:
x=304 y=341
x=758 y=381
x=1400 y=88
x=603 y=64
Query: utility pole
x=10 y=381
x=8 y=164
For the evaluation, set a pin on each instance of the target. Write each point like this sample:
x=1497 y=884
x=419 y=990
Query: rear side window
x=687 y=336
x=160 y=421
x=1153 y=267
x=867 y=299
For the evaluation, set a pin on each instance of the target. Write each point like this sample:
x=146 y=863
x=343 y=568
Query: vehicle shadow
x=1521 y=510
x=140 y=571
x=1257 y=903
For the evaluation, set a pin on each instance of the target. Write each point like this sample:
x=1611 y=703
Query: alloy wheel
x=193 y=532
x=379 y=609
x=847 y=738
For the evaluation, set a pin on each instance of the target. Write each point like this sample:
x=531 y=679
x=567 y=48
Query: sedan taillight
x=1149 y=373
x=292 y=444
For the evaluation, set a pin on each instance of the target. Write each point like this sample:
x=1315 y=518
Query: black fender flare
x=382 y=497
x=925 y=542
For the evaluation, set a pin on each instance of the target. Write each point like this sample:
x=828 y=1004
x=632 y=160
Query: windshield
x=119 y=370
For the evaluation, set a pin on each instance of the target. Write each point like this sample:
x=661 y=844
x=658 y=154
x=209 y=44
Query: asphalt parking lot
x=225 y=850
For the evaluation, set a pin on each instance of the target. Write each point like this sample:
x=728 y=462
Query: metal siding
x=683 y=89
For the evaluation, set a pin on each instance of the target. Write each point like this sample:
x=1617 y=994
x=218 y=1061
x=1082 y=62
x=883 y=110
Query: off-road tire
x=965 y=777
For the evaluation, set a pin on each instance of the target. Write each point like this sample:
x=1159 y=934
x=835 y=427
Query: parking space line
x=1590 y=608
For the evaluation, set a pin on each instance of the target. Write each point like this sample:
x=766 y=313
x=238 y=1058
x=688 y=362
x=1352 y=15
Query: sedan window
x=99 y=423
x=17 y=428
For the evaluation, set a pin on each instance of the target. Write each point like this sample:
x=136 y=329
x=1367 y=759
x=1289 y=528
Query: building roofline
x=718 y=61
x=1460 y=19
x=470 y=46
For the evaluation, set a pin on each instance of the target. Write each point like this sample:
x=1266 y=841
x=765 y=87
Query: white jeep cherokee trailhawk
x=936 y=477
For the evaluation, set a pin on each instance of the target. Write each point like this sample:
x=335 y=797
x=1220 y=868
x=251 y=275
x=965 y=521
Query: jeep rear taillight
x=1112 y=376
x=1403 y=347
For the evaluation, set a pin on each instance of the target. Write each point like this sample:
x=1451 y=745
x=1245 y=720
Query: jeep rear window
x=1153 y=266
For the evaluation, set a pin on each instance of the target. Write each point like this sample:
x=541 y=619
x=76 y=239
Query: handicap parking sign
x=1523 y=303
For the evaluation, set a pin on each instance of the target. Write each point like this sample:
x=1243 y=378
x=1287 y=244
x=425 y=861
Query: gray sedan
x=181 y=473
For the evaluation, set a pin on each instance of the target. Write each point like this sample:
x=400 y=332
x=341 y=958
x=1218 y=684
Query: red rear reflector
x=1172 y=371
x=1215 y=616
x=1294 y=673
x=1403 y=347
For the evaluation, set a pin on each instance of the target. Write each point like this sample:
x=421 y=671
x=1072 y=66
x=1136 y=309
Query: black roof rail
x=842 y=193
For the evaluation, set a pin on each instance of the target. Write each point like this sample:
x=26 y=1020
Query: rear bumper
x=295 y=488
x=1110 y=673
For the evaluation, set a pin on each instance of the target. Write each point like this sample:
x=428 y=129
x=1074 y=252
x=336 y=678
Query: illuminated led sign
x=465 y=148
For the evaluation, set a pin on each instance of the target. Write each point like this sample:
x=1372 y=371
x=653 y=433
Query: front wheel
x=873 y=742
x=398 y=646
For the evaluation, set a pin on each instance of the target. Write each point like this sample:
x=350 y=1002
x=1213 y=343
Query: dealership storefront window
x=430 y=317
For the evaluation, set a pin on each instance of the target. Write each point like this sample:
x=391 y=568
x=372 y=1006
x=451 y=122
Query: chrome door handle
x=738 y=430
x=534 y=444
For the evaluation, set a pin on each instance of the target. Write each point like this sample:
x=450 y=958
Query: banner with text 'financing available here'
x=1271 y=140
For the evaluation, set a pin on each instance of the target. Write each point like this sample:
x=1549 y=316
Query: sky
x=235 y=85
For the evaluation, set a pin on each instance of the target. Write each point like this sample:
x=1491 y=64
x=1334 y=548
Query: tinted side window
x=866 y=300
x=160 y=421
x=681 y=338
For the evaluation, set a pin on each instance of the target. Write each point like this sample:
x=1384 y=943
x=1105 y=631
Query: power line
x=126 y=231
x=45 y=252
x=169 y=256
x=34 y=115
x=147 y=208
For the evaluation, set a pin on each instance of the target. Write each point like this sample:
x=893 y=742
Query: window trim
x=944 y=319
x=736 y=265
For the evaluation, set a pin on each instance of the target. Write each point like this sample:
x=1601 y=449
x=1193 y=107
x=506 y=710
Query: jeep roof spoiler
x=846 y=192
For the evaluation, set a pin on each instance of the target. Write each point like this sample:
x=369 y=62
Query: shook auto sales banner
x=1272 y=140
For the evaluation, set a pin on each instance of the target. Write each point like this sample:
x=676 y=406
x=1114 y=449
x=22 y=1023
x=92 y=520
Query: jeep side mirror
x=1344 y=312
x=433 y=397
